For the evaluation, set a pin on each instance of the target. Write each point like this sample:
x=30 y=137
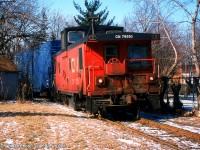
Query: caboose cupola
x=73 y=35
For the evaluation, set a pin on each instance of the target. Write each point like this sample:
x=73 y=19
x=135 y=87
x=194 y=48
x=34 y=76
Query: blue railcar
x=24 y=63
x=36 y=65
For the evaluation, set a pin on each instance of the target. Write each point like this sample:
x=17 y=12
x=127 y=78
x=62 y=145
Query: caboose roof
x=128 y=36
x=98 y=29
x=121 y=36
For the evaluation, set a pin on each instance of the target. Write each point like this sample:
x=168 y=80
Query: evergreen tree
x=53 y=36
x=91 y=10
x=43 y=35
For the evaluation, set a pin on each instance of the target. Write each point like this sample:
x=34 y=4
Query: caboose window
x=80 y=58
x=74 y=36
x=70 y=63
x=138 y=52
x=110 y=51
x=58 y=67
x=63 y=41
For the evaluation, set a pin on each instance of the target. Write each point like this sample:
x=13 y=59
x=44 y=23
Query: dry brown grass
x=40 y=124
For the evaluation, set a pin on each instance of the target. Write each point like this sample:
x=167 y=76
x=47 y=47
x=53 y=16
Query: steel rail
x=170 y=145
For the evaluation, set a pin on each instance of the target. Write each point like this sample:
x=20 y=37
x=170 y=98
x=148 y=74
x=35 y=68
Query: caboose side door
x=80 y=71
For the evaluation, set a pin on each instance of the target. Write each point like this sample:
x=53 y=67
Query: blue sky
x=117 y=8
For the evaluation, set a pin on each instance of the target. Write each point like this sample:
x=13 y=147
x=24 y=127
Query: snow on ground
x=55 y=126
x=163 y=135
x=189 y=101
x=187 y=123
x=184 y=127
x=102 y=132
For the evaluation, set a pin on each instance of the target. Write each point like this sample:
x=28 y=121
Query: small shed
x=9 y=79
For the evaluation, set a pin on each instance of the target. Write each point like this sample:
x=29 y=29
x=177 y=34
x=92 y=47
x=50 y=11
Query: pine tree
x=43 y=27
x=53 y=36
x=91 y=10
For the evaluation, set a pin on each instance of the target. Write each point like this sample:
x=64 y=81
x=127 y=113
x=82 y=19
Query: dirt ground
x=53 y=126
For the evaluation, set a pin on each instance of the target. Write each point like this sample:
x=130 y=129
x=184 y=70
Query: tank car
x=107 y=70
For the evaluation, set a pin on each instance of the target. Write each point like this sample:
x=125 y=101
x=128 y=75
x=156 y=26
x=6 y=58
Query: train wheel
x=64 y=99
x=52 y=95
x=57 y=97
x=153 y=102
x=100 y=113
x=72 y=103
x=75 y=102
x=135 y=109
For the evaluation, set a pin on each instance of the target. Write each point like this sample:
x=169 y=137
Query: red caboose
x=108 y=70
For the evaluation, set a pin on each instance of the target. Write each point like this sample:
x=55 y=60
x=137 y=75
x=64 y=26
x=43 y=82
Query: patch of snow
x=60 y=129
x=8 y=101
x=11 y=101
x=69 y=110
x=192 y=145
x=188 y=128
x=189 y=102
x=163 y=135
x=53 y=129
x=8 y=125
x=38 y=139
x=20 y=136
x=9 y=141
x=129 y=142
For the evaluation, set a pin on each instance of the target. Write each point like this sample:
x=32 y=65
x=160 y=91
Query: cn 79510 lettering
x=107 y=71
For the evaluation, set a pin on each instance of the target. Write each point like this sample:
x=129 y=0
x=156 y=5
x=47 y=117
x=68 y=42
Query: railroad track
x=172 y=131
x=134 y=131
x=195 y=137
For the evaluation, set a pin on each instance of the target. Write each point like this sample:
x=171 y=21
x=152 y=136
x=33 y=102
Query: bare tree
x=20 y=23
x=189 y=44
x=193 y=18
x=198 y=39
x=165 y=28
x=142 y=18
x=148 y=17
x=168 y=52
x=57 y=22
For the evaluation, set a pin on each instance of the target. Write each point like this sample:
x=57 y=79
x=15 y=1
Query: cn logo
x=73 y=65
